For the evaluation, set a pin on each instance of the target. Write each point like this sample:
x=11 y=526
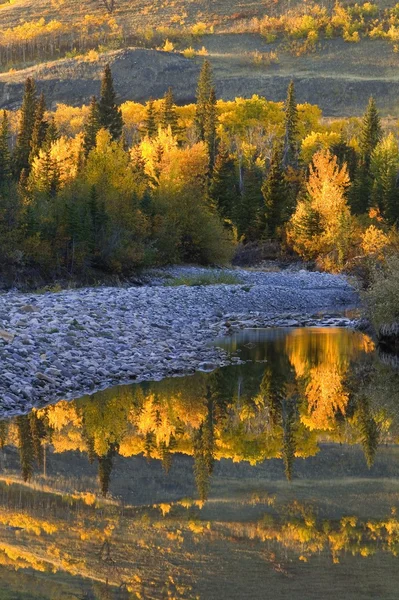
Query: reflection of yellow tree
x=321 y=362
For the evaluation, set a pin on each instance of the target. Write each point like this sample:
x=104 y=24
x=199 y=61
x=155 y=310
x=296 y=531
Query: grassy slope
x=338 y=76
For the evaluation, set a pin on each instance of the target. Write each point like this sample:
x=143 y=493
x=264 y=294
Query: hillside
x=371 y=68
x=254 y=47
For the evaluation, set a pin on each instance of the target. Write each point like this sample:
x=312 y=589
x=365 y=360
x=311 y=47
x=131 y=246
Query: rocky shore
x=66 y=344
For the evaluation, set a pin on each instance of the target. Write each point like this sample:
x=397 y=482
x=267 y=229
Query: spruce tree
x=109 y=113
x=250 y=208
x=290 y=155
x=204 y=88
x=150 y=121
x=39 y=128
x=169 y=116
x=210 y=129
x=224 y=184
x=360 y=194
x=275 y=194
x=371 y=131
x=27 y=121
x=51 y=133
x=5 y=156
x=91 y=126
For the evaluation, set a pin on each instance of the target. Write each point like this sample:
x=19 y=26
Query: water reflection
x=126 y=494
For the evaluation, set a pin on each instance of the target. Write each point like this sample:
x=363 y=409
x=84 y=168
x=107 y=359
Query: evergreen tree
x=25 y=132
x=360 y=195
x=39 y=128
x=168 y=115
x=224 y=185
x=5 y=155
x=47 y=178
x=371 y=131
x=249 y=213
x=210 y=129
x=204 y=89
x=110 y=114
x=290 y=154
x=91 y=127
x=275 y=193
x=150 y=121
x=51 y=133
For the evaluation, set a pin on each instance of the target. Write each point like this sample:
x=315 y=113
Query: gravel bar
x=63 y=345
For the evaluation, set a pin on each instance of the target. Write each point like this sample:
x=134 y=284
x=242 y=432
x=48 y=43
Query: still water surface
x=276 y=478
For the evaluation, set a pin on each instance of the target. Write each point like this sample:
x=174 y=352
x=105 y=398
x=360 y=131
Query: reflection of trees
x=280 y=409
x=26 y=446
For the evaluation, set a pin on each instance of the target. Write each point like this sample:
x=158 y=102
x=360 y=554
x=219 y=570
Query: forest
x=104 y=190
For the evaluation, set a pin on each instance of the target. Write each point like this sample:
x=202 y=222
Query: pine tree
x=290 y=155
x=250 y=208
x=110 y=114
x=150 y=121
x=360 y=195
x=27 y=121
x=224 y=185
x=371 y=131
x=39 y=128
x=210 y=129
x=51 y=133
x=275 y=193
x=204 y=89
x=5 y=155
x=91 y=127
x=168 y=115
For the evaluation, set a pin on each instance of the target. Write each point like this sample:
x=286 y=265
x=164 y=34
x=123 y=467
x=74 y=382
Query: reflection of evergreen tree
x=26 y=446
x=166 y=454
x=105 y=464
x=149 y=444
x=38 y=431
x=3 y=433
x=204 y=450
x=369 y=430
x=289 y=417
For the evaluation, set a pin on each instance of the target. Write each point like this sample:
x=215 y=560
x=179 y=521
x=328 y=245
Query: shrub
x=382 y=297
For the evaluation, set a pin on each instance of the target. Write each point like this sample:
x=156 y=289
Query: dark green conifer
x=290 y=153
x=39 y=128
x=5 y=155
x=168 y=115
x=204 y=88
x=224 y=185
x=91 y=127
x=371 y=132
x=27 y=121
x=360 y=194
x=52 y=134
x=110 y=114
x=150 y=121
x=249 y=215
x=210 y=129
x=275 y=194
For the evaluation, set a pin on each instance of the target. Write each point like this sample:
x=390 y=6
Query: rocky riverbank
x=65 y=344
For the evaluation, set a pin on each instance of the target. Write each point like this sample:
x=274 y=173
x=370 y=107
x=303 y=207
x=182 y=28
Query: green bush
x=382 y=297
